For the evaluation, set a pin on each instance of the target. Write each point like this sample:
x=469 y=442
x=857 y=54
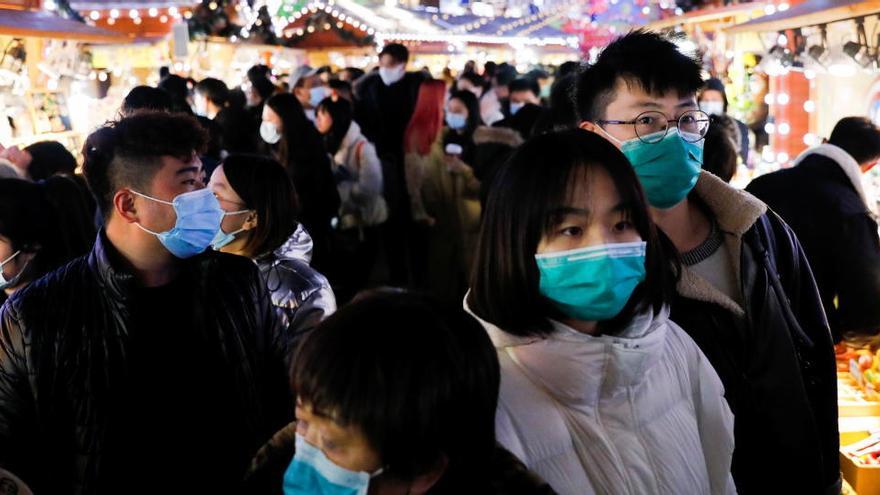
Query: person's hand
x=456 y=166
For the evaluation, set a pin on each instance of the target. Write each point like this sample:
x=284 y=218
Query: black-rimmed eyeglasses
x=651 y=127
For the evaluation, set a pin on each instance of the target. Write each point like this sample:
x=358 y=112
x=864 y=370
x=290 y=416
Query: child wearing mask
x=600 y=391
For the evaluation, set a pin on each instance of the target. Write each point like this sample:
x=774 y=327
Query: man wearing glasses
x=746 y=294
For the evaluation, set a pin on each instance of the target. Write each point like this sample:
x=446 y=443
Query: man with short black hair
x=210 y=97
x=148 y=98
x=524 y=91
x=384 y=103
x=824 y=201
x=746 y=294
x=146 y=362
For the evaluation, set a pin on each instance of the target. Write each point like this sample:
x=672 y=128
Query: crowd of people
x=388 y=283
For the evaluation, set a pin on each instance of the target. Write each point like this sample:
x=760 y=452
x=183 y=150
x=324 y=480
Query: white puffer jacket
x=362 y=203
x=638 y=413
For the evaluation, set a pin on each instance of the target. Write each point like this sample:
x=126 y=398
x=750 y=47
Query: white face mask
x=200 y=106
x=712 y=107
x=269 y=132
x=6 y=283
x=393 y=74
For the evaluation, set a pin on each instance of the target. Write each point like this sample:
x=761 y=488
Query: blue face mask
x=317 y=95
x=456 y=121
x=593 y=283
x=222 y=239
x=312 y=473
x=668 y=170
x=516 y=107
x=198 y=220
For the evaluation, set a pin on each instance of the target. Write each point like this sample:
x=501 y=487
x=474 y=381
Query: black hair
x=721 y=148
x=560 y=113
x=164 y=72
x=128 y=152
x=505 y=74
x=472 y=104
x=489 y=70
x=264 y=87
x=342 y=87
x=420 y=379
x=178 y=88
x=715 y=84
x=146 y=98
x=263 y=185
x=396 y=51
x=214 y=90
x=643 y=59
x=354 y=72
x=857 y=136
x=524 y=205
x=257 y=72
x=301 y=143
x=567 y=69
x=237 y=98
x=473 y=78
x=342 y=113
x=47 y=218
x=49 y=158
x=525 y=84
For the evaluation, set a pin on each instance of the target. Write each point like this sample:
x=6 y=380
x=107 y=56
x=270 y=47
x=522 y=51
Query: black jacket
x=64 y=344
x=776 y=363
x=820 y=203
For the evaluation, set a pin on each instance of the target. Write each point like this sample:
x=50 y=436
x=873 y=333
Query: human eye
x=571 y=231
x=623 y=226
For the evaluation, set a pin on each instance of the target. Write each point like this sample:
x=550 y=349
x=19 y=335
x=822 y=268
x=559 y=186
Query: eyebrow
x=187 y=170
x=569 y=210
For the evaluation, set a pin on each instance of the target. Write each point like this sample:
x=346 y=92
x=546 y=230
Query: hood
x=352 y=136
x=298 y=246
x=497 y=135
x=849 y=166
x=575 y=367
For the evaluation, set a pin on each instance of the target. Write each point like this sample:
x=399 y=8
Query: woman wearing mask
x=298 y=147
x=42 y=226
x=462 y=121
x=600 y=391
x=444 y=193
x=358 y=174
x=260 y=224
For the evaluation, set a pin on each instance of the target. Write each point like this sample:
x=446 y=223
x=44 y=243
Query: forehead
x=628 y=96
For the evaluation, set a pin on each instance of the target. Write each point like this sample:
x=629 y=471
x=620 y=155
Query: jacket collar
x=106 y=263
x=575 y=368
x=847 y=164
x=736 y=212
x=298 y=246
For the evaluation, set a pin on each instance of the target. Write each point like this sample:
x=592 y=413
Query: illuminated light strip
x=487 y=39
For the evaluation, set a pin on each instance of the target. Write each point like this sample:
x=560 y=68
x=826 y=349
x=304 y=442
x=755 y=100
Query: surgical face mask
x=311 y=472
x=456 y=121
x=668 y=170
x=269 y=132
x=317 y=95
x=198 y=220
x=391 y=75
x=200 y=107
x=6 y=283
x=516 y=107
x=222 y=239
x=545 y=90
x=712 y=107
x=592 y=283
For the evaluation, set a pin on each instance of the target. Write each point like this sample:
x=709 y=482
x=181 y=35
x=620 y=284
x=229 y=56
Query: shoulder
x=291 y=281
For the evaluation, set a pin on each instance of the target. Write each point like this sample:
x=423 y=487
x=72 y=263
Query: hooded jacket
x=634 y=413
x=361 y=194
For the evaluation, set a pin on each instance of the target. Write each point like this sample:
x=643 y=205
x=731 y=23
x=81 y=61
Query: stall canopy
x=810 y=13
x=27 y=23
x=709 y=15
x=82 y=5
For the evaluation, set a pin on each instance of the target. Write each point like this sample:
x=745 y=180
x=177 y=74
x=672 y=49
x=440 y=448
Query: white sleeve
x=506 y=435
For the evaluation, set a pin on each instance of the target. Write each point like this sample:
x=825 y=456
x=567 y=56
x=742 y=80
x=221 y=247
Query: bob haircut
x=263 y=185
x=524 y=205
x=420 y=379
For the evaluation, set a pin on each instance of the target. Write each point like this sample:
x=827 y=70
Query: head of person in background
x=720 y=148
x=333 y=118
x=258 y=87
x=350 y=74
x=489 y=69
x=471 y=81
x=237 y=99
x=210 y=97
x=463 y=113
x=561 y=113
x=858 y=137
x=48 y=158
x=545 y=81
x=713 y=97
x=259 y=203
x=567 y=69
x=147 y=98
x=535 y=211
x=524 y=91
x=504 y=75
x=294 y=137
x=392 y=411
x=470 y=67
x=649 y=111
x=179 y=90
x=146 y=176
x=42 y=226
x=426 y=124
x=164 y=72
x=340 y=89
x=392 y=63
x=324 y=73
x=308 y=88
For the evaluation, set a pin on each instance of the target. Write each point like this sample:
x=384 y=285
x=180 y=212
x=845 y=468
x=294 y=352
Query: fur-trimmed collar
x=846 y=163
x=736 y=212
x=500 y=135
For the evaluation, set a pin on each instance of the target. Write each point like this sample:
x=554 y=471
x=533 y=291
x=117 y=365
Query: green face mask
x=668 y=170
x=593 y=283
